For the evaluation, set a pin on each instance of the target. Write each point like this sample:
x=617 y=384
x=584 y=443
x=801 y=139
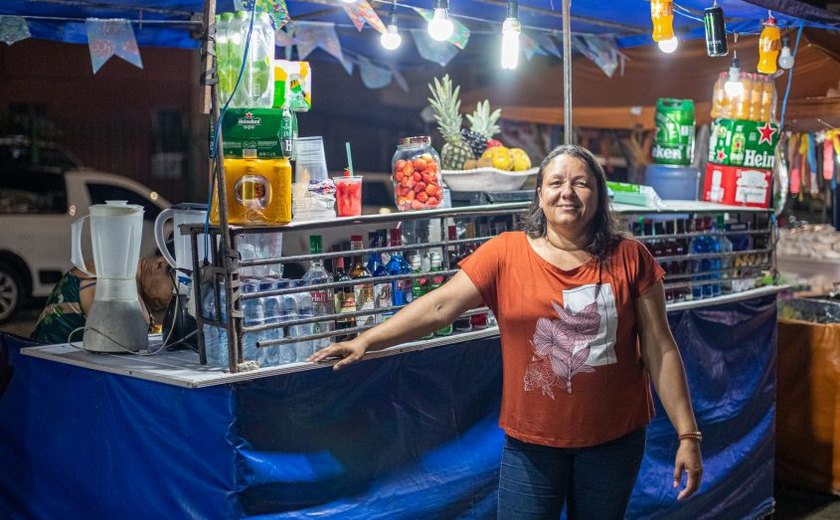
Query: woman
x=581 y=313
x=68 y=304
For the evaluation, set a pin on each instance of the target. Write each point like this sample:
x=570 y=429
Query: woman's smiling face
x=568 y=194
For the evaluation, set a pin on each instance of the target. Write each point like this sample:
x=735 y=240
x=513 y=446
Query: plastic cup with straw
x=348 y=190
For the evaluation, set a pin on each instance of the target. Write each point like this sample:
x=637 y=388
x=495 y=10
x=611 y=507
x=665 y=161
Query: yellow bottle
x=769 y=45
x=768 y=100
x=742 y=102
x=756 y=95
x=257 y=192
x=662 y=16
x=720 y=106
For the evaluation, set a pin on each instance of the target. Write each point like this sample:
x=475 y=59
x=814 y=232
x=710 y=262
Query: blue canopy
x=176 y=23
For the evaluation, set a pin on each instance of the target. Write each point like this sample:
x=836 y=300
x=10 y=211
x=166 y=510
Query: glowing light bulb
x=391 y=38
x=510 y=37
x=785 y=57
x=440 y=26
x=668 y=46
x=733 y=86
x=349 y=1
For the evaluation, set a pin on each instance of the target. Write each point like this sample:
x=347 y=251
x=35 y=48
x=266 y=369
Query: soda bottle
x=662 y=16
x=345 y=300
x=363 y=292
x=769 y=45
x=400 y=289
x=768 y=100
x=382 y=290
x=756 y=95
x=720 y=103
x=742 y=102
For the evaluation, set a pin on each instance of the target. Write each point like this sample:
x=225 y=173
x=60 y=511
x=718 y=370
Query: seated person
x=68 y=304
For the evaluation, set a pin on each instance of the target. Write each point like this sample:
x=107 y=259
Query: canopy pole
x=568 y=136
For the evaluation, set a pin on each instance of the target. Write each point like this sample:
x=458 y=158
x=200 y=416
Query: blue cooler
x=673 y=182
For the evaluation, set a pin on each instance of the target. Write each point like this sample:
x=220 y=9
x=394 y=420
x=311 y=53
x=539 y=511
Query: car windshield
x=30 y=190
x=12 y=155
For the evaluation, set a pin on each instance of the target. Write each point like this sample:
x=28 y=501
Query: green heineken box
x=252 y=133
x=674 y=142
x=737 y=142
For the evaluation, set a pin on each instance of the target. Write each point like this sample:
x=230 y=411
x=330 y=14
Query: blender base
x=116 y=327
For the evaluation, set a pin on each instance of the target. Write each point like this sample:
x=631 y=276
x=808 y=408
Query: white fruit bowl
x=486 y=179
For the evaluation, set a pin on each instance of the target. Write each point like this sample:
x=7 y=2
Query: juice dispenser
x=116 y=321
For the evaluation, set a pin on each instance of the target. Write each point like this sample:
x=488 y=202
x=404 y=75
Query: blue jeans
x=594 y=482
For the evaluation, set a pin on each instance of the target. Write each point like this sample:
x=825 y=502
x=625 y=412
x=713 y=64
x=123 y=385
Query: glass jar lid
x=416 y=140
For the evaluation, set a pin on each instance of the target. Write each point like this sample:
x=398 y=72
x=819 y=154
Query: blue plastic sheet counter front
x=406 y=436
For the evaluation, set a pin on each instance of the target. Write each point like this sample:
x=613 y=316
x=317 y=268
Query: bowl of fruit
x=471 y=159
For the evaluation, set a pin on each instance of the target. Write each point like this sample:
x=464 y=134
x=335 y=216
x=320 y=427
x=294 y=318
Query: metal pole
x=568 y=136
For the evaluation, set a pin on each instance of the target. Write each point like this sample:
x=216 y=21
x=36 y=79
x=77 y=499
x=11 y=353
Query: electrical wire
x=790 y=76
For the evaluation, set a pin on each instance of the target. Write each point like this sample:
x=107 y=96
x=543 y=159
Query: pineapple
x=446 y=106
x=483 y=127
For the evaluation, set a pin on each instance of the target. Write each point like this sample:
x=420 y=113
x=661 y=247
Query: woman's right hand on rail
x=347 y=352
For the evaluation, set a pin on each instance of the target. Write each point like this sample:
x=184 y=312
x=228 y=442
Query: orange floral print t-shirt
x=573 y=374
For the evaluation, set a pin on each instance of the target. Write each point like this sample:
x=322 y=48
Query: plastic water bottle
x=287 y=311
x=215 y=338
x=253 y=313
x=269 y=356
x=303 y=300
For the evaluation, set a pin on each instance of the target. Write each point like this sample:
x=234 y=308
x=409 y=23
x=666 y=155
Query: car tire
x=11 y=292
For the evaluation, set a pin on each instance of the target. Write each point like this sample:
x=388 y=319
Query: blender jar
x=416 y=174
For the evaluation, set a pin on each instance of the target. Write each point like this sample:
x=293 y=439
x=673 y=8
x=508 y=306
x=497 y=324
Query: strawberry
x=493 y=142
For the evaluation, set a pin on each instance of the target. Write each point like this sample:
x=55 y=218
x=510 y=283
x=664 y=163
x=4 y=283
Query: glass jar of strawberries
x=416 y=174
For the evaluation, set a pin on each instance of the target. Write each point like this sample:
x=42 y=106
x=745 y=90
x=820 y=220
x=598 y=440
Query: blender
x=116 y=321
x=179 y=320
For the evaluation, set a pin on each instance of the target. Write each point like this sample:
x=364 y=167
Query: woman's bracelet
x=698 y=436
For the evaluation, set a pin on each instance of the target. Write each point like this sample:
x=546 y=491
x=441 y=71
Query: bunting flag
x=310 y=35
x=434 y=51
x=108 y=38
x=374 y=76
x=360 y=12
x=276 y=8
x=399 y=78
x=529 y=46
x=548 y=45
x=13 y=29
x=461 y=34
x=284 y=38
x=602 y=50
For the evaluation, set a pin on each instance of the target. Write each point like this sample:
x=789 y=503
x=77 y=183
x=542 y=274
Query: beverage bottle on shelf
x=769 y=45
x=322 y=299
x=742 y=278
x=720 y=103
x=679 y=246
x=698 y=245
x=461 y=323
x=270 y=356
x=287 y=353
x=662 y=16
x=435 y=281
x=756 y=97
x=381 y=290
x=225 y=62
x=662 y=247
x=419 y=285
x=725 y=261
x=742 y=102
x=363 y=291
x=382 y=236
x=478 y=321
x=401 y=288
x=715 y=262
x=768 y=99
x=345 y=300
x=305 y=309
x=253 y=313
x=215 y=338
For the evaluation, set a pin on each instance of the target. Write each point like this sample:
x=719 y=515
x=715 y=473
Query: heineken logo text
x=758 y=160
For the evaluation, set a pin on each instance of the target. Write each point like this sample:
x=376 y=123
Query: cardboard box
x=736 y=142
x=252 y=133
x=738 y=186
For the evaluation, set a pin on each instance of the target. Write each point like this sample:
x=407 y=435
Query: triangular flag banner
x=435 y=51
x=276 y=8
x=374 y=76
x=548 y=45
x=108 y=38
x=283 y=38
x=399 y=78
x=360 y=12
x=528 y=45
x=602 y=50
x=461 y=34
x=310 y=35
x=13 y=29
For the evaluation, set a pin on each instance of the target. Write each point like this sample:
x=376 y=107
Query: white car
x=38 y=203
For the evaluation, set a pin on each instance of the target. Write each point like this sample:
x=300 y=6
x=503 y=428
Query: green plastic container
x=674 y=142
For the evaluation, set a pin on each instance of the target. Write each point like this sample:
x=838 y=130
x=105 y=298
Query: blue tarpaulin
x=407 y=436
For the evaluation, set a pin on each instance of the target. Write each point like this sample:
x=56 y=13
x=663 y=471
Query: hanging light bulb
x=510 y=36
x=668 y=46
x=733 y=86
x=391 y=39
x=785 y=57
x=349 y=1
x=440 y=26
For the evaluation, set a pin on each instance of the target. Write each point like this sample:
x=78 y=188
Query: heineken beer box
x=674 y=142
x=736 y=142
x=738 y=186
x=253 y=133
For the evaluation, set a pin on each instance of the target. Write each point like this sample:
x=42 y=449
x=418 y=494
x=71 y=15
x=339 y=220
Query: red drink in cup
x=348 y=196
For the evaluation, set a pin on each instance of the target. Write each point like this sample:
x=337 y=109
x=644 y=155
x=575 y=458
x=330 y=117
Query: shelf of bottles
x=707 y=250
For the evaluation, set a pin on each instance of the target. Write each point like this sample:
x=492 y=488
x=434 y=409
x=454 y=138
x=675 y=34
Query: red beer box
x=738 y=185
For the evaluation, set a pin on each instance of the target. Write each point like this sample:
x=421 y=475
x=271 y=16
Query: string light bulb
x=349 y=1
x=440 y=26
x=668 y=46
x=391 y=39
x=511 y=28
x=785 y=57
x=733 y=86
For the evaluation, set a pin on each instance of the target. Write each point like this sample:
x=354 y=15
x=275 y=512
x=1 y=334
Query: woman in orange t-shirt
x=581 y=314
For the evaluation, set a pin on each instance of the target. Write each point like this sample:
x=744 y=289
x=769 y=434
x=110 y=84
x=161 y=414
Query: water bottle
x=269 y=356
x=253 y=313
x=287 y=353
x=215 y=338
x=303 y=300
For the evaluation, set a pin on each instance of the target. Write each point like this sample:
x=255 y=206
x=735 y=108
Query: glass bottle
x=363 y=291
x=401 y=288
x=345 y=300
x=323 y=302
x=382 y=290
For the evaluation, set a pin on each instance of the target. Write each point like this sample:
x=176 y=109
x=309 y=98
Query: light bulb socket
x=786 y=40
x=442 y=4
x=512 y=9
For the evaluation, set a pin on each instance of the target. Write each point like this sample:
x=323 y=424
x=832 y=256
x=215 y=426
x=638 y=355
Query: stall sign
x=738 y=142
x=738 y=186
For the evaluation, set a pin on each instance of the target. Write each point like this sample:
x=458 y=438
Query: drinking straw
x=349 y=157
